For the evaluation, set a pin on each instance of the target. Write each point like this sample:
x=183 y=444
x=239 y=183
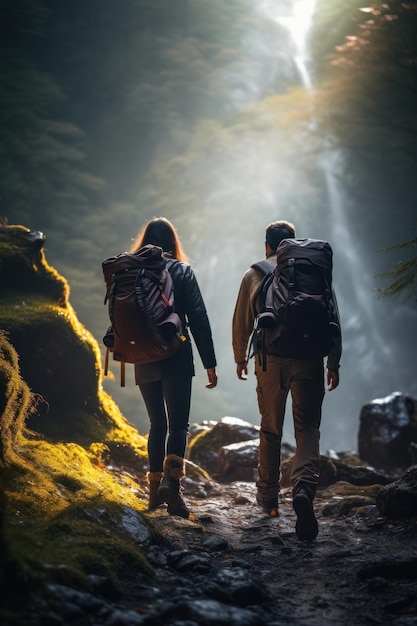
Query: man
x=304 y=379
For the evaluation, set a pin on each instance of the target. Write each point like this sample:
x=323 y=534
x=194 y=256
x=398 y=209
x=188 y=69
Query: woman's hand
x=332 y=379
x=212 y=376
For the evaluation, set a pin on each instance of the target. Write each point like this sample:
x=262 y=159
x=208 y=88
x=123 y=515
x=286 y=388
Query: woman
x=166 y=385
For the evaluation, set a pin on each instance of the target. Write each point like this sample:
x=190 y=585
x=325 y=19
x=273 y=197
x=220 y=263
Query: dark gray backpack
x=140 y=295
x=297 y=317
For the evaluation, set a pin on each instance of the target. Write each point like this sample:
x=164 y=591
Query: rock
x=59 y=604
x=398 y=500
x=56 y=358
x=229 y=449
x=183 y=560
x=390 y=567
x=122 y=455
x=215 y=543
x=198 y=487
x=387 y=428
x=204 y=448
x=332 y=471
x=203 y=613
x=360 y=475
x=156 y=556
x=59 y=359
x=195 y=429
x=343 y=499
x=238 y=461
x=235 y=586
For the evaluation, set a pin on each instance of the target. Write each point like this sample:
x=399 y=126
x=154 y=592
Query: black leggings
x=168 y=404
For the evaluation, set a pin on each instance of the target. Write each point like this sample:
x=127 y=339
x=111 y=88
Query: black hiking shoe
x=270 y=507
x=306 y=526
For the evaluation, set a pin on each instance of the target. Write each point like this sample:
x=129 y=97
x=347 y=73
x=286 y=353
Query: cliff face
x=70 y=463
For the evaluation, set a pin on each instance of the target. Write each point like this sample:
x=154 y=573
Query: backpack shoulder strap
x=267 y=270
x=173 y=265
x=254 y=346
x=263 y=266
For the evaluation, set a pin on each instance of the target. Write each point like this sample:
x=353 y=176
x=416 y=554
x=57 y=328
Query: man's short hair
x=277 y=231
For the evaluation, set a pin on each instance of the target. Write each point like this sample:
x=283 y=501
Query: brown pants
x=305 y=381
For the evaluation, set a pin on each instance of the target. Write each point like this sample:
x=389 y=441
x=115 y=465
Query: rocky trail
x=236 y=566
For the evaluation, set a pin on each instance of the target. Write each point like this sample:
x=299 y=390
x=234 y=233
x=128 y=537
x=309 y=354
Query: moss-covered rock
x=59 y=359
x=67 y=515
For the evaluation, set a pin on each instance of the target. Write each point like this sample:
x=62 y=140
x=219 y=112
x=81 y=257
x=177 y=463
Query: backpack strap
x=291 y=274
x=122 y=368
x=106 y=362
x=267 y=270
x=263 y=266
x=256 y=344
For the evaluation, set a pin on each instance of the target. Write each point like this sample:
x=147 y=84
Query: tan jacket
x=246 y=310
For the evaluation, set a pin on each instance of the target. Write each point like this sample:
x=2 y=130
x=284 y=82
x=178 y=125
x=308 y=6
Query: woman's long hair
x=160 y=232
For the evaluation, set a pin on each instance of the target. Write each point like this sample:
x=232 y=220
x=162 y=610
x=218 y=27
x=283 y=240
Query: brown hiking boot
x=169 y=489
x=154 y=480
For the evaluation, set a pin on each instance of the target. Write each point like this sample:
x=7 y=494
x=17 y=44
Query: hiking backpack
x=140 y=295
x=297 y=313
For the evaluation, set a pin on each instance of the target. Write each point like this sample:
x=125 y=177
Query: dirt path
x=324 y=583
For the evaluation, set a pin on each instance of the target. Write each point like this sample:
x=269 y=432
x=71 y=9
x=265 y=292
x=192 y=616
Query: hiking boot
x=169 y=489
x=270 y=507
x=154 y=480
x=306 y=526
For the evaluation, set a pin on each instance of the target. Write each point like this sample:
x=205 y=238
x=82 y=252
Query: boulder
x=238 y=461
x=205 y=446
x=398 y=500
x=387 y=432
x=51 y=363
x=332 y=470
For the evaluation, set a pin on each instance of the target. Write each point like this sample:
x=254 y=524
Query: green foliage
x=333 y=22
x=367 y=105
x=42 y=162
x=403 y=279
x=373 y=84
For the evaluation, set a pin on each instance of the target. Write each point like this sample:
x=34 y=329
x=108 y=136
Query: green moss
x=23 y=267
x=62 y=508
x=346 y=499
x=15 y=398
x=82 y=541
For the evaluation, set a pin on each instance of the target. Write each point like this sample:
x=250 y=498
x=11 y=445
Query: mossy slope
x=63 y=504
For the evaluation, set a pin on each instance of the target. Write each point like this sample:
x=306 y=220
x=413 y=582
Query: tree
x=404 y=277
x=42 y=162
x=366 y=104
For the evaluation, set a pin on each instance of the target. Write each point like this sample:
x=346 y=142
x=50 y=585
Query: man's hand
x=332 y=379
x=242 y=370
x=212 y=377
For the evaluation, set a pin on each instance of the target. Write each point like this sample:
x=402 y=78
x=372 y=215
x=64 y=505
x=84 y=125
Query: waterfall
x=366 y=350
x=251 y=164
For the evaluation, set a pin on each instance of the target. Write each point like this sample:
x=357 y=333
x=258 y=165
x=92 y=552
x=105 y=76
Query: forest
x=223 y=117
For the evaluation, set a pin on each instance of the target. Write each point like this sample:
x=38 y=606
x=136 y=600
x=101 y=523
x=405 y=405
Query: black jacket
x=190 y=306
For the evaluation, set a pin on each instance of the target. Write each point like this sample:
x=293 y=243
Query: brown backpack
x=140 y=296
